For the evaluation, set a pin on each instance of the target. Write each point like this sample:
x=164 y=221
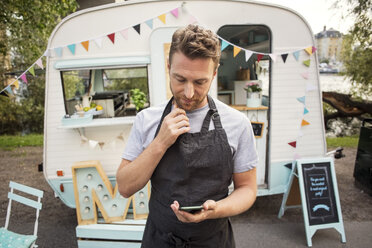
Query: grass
x=350 y=141
x=10 y=142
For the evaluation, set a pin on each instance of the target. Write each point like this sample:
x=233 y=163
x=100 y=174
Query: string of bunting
x=94 y=143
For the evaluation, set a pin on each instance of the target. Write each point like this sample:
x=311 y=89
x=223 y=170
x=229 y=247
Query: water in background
x=349 y=126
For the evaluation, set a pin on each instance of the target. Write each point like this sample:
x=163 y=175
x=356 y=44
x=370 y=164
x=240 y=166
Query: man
x=191 y=149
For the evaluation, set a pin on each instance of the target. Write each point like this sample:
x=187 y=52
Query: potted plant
x=254 y=94
x=138 y=98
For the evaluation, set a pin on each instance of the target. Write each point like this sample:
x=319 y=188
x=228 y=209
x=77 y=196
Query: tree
x=357 y=59
x=25 y=27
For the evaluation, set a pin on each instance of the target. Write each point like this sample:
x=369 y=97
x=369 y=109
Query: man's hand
x=208 y=211
x=174 y=124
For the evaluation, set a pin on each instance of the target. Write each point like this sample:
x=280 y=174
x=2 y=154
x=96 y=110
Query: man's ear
x=215 y=71
x=168 y=65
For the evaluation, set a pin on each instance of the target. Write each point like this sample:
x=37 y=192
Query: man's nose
x=189 y=90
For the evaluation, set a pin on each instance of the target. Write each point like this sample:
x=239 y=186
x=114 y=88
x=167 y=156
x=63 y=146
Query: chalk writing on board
x=319 y=193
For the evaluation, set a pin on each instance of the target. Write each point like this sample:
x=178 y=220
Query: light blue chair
x=11 y=239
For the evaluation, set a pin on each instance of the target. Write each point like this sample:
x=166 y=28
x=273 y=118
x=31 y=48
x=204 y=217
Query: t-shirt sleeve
x=245 y=157
x=134 y=146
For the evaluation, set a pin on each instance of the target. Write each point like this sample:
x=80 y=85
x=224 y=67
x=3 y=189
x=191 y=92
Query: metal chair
x=12 y=239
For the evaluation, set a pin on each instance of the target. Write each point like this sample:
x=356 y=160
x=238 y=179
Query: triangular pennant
x=32 y=70
x=124 y=33
x=175 y=12
x=93 y=144
x=310 y=87
x=224 y=44
x=16 y=84
x=284 y=57
x=39 y=62
x=305 y=75
x=304 y=123
x=162 y=18
x=292 y=144
x=3 y=93
x=306 y=62
x=137 y=28
x=314 y=49
x=24 y=78
x=306 y=111
x=149 y=23
x=98 y=41
x=9 y=90
x=273 y=57
x=296 y=55
x=259 y=57
x=72 y=48
x=236 y=50
x=101 y=144
x=309 y=50
x=58 y=51
x=248 y=54
x=120 y=137
x=112 y=37
x=85 y=44
x=301 y=99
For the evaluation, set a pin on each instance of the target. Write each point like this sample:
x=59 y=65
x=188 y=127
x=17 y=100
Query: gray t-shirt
x=237 y=127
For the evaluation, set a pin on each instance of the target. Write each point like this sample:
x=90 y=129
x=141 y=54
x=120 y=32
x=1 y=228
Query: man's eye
x=182 y=80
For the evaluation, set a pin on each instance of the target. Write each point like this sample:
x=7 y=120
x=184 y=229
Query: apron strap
x=212 y=113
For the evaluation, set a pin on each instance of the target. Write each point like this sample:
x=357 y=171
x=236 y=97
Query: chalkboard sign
x=317 y=195
x=319 y=191
x=258 y=128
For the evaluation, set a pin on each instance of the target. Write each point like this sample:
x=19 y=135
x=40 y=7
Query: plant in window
x=138 y=98
x=253 y=87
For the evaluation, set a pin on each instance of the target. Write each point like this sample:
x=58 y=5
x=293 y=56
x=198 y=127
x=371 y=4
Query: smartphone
x=191 y=209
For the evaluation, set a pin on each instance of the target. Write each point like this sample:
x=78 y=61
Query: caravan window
x=109 y=88
x=234 y=72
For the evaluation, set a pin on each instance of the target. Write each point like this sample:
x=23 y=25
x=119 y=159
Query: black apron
x=196 y=168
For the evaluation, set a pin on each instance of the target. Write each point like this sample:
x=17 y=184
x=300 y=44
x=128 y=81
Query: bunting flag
x=162 y=18
x=248 y=54
x=16 y=84
x=304 y=123
x=32 y=71
x=305 y=75
x=112 y=37
x=85 y=45
x=137 y=28
x=310 y=87
x=306 y=62
x=124 y=33
x=306 y=111
x=98 y=41
x=149 y=23
x=175 y=12
x=24 y=78
x=101 y=144
x=236 y=50
x=293 y=144
x=224 y=44
x=273 y=57
x=9 y=90
x=314 y=49
x=58 y=51
x=284 y=57
x=39 y=63
x=301 y=99
x=309 y=50
x=72 y=48
x=92 y=143
x=259 y=57
x=296 y=55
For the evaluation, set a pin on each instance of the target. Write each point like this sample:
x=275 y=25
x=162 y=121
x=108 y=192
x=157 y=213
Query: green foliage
x=25 y=27
x=138 y=98
x=357 y=48
x=350 y=141
x=9 y=142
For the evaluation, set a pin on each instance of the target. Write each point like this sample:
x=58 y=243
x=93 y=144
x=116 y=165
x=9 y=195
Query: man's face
x=190 y=80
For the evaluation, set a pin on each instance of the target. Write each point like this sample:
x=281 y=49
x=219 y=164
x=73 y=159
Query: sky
x=318 y=13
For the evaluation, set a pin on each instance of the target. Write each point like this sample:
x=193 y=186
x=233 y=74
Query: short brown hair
x=196 y=42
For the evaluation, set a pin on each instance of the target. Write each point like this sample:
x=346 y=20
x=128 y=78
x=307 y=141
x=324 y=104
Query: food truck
x=98 y=56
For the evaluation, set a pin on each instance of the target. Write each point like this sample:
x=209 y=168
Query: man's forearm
x=133 y=175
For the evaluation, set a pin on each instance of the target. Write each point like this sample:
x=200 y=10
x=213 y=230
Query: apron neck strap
x=212 y=113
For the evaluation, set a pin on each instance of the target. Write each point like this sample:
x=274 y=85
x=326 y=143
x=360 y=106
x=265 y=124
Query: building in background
x=329 y=45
